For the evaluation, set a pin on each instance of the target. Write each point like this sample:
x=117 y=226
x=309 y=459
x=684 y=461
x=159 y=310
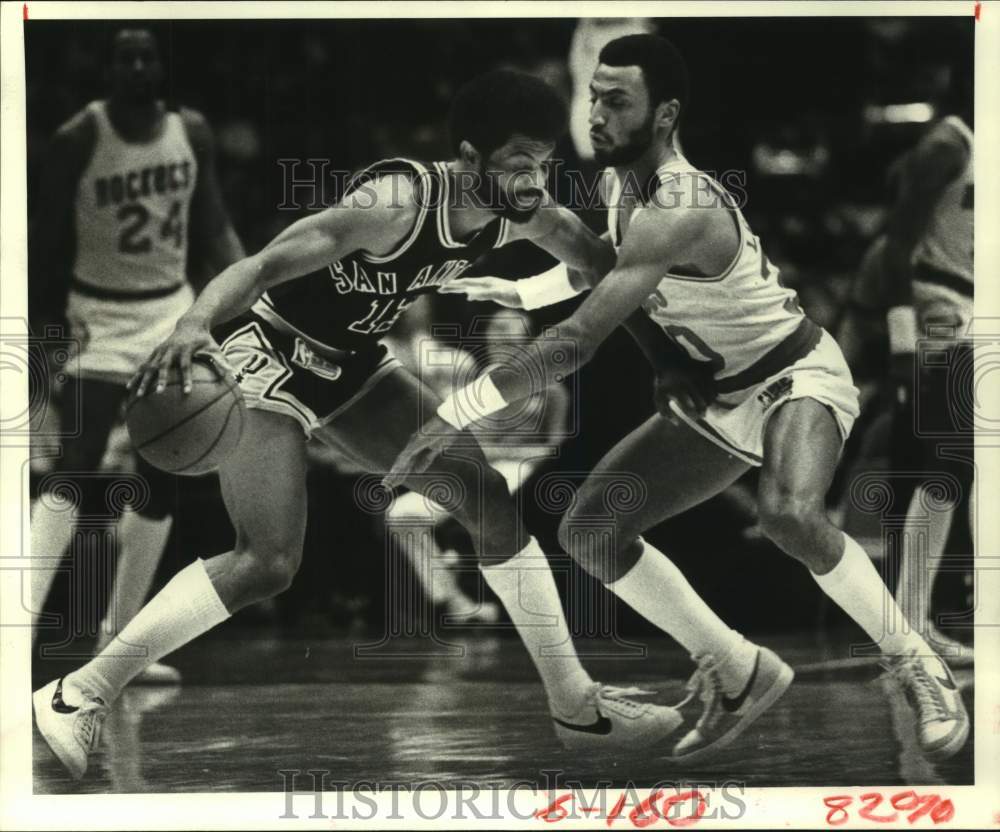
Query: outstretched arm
x=584 y=259
x=375 y=218
x=657 y=240
x=561 y=283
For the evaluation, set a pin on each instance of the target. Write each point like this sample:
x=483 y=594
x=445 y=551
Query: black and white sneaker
x=73 y=732
x=936 y=702
x=724 y=718
x=611 y=719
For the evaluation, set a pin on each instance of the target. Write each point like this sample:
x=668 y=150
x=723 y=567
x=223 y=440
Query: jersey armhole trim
x=732 y=210
x=444 y=229
x=418 y=222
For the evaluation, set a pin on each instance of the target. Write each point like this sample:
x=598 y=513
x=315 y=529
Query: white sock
x=184 y=609
x=657 y=590
x=416 y=538
x=525 y=586
x=855 y=585
x=51 y=532
x=141 y=544
x=919 y=566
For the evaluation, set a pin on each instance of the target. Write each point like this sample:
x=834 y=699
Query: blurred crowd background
x=812 y=110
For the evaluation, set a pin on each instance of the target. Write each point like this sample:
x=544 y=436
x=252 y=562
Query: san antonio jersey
x=352 y=303
x=743 y=323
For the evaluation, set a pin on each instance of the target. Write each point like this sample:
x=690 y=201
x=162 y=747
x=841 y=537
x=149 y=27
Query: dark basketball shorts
x=281 y=373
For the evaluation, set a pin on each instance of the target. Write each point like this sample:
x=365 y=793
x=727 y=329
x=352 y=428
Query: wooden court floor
x=254 y=706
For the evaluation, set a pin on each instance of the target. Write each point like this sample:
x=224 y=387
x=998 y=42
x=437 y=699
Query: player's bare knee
x=277 y=573
x=268 y=569
x=789 y=521
x=604 y=553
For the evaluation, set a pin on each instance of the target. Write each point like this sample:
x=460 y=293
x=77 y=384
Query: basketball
x=188 y=433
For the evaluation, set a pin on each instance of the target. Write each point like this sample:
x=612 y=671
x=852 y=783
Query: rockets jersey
x=743 y=322
x=943 y=258
x=132 y=205
x=353 y=302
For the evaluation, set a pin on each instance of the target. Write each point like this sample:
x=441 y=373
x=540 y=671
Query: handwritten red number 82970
x=910 y=802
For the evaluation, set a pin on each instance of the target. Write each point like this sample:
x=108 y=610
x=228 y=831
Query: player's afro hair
x=491 y=108
x=663 y=68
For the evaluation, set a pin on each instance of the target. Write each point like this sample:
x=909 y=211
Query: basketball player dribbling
x=783 y=400
x=307 y=356
x=127 y=185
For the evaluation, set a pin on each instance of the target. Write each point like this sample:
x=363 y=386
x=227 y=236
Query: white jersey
x=943 y=259
x=132 y=206
x=743 y=322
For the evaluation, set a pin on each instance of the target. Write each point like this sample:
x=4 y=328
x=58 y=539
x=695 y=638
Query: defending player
x=308 y=359
x=126 y=187
x=784 y=401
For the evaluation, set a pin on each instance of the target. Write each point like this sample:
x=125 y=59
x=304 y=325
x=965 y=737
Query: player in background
x=433 y=563
x=518 y=454
x=927 y=265
x=515 y=454
x=307 y=355
x=781 y=398
x=128 y=185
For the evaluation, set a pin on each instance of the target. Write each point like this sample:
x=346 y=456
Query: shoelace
x=88 y=724
x=913 y=676
x=619 y=697
x=704 y=682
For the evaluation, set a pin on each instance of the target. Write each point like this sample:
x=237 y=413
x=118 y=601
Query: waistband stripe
x=796 y=346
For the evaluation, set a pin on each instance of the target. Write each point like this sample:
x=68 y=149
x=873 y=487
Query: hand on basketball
x=496 y=289
x=421 y=451
x=679 y=389
x=176 y=351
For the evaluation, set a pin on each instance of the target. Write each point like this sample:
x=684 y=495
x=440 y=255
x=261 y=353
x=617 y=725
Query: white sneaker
x=72 y=732
x=158 y=674
x=609 y=720
x=934 y=697
x=724 y=718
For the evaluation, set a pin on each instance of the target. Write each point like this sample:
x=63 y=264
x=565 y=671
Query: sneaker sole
x=774 y=693
x=953 y=745
x=40 y=700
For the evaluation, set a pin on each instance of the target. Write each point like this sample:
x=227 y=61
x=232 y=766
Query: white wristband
x=546 y=288
x=473 y=402
x=902 y=323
